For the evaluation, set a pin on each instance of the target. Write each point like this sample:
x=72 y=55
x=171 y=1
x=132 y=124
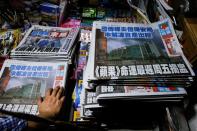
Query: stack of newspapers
x=138 y=62
x=94 y=102
x=41 y=61
x=47 y=44
x=136 y=55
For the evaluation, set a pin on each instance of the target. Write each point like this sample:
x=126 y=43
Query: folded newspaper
x=22 y=82
x=140 y=93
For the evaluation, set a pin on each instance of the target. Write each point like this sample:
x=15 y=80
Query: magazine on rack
x=131 y=51
x=46 y=42
x=140 y=92
x=22 y=82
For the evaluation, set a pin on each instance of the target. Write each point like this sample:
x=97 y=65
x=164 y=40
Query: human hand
x=51 y=106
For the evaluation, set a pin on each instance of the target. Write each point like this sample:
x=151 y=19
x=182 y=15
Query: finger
x=59 y=93
x=48 y=92
x=62 y=99
x=54 y=92
x=39 y=101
